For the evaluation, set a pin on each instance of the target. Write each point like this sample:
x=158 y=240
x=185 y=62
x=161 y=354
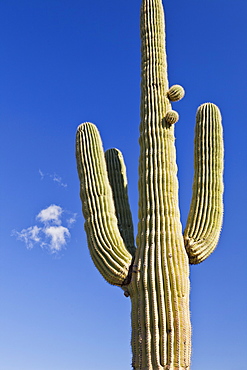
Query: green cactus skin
x=118 y=180
x=160 y=286
x=105 y=243
x=155 y=274
x=206 y=212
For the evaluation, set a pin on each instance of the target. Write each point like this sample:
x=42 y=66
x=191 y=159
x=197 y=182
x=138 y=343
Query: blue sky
x=65 y=62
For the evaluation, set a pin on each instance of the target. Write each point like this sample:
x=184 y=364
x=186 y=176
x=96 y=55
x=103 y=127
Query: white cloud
x=51 y=234
x=29 y=236
x=57 y=235
x=51 y=213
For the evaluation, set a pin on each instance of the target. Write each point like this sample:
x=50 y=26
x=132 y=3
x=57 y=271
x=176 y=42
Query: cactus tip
x=212 y=107
x=82 y=126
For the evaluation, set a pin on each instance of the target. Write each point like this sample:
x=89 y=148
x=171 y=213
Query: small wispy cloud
x=70 y=221
x=58 y=180
x=49 y=233
x=29 y=236
x=54 y=177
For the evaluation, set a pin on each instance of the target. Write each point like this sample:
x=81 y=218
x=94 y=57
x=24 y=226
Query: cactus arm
x=105 y=243
x=160 y=284
x=206 y=211
x=118 y=180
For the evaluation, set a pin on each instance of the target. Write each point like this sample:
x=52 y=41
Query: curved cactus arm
x=206 y=211
x=118 y=181
x=105 y=243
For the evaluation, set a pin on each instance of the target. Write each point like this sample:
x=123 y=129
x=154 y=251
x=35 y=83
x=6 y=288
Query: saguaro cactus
x=155 y=273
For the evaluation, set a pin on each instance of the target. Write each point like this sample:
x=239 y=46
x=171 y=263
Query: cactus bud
x=175 y=93
x=171 y=117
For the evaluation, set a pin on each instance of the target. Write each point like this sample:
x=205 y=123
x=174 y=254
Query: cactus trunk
x=155 y=274
x=160 y=284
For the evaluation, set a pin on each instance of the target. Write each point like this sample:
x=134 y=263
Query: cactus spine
x=155 y=274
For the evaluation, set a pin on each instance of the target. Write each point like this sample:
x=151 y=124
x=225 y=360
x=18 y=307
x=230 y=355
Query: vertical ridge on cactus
x=155 y=273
